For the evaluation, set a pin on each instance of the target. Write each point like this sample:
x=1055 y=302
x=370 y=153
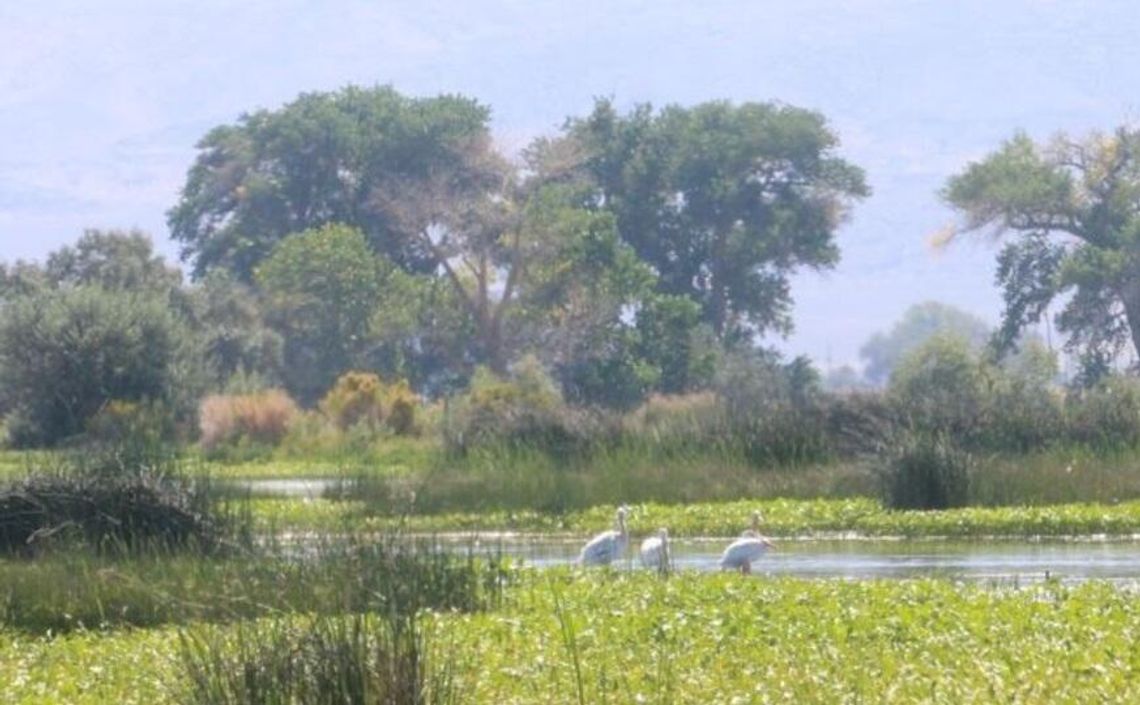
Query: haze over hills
x=101 y=107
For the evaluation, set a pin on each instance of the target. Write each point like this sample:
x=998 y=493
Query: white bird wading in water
x=608 y=545
x=655 y=551
x=749 y=547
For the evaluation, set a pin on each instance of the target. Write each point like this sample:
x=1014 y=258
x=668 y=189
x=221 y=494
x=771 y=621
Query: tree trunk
x=491 y=333
x=1130 y=298
x=716 y=284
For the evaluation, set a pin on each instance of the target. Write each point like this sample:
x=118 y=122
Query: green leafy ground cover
x=569 y=637
x=781 y=517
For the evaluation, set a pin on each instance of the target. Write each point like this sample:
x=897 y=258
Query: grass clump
x=926 y=471
x=258 y=419
x=360 y=659
x=111 y=500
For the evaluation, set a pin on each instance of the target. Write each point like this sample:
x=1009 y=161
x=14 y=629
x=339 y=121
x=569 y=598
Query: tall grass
x=111 y=499
x=75 y=589
x=358 y=659
x=925 y=471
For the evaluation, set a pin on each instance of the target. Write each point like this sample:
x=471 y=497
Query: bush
x=66 y=354
x=941 y=386
x=1106 y=416
x=524 y=410
x=363 y=399
x=259 y=418
x=130 y=423
x=925 y=471
x=1022 y=416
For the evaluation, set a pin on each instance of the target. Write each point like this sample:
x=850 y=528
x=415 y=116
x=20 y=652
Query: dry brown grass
x=261 y=417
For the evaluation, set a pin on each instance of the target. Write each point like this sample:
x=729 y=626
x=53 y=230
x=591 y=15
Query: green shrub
x=1106 y=416
x=362 y=659
x=1022 y=416
x=525 y=410
x=131 y=423
x=925 y=471
x=941 y=386
x=65 y=354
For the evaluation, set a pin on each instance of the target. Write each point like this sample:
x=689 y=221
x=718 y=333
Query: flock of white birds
x=609 y=546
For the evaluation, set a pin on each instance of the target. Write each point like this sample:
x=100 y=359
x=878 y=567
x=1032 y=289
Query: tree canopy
x=883 y=351
x=322 y=287
x=1074 y=208
x=724 y=201
x=323 y=158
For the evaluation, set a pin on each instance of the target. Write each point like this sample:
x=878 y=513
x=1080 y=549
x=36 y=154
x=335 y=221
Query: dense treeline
x=366 y=230
x=362 y=258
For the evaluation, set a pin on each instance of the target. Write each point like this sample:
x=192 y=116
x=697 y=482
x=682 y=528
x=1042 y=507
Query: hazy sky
x=101 y=103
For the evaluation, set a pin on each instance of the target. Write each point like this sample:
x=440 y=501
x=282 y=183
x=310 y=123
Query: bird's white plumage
x=607 y=546
x=741 y=552
x=654 y=551
x=749 y=547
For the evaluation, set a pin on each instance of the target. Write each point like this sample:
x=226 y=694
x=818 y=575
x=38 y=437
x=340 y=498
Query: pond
x=986 y=561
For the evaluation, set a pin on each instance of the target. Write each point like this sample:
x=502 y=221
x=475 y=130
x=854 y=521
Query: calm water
x=999 y=561
x=294 y=487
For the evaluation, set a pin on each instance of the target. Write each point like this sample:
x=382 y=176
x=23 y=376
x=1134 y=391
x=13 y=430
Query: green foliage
x=363 y=658
x=668 y=338
x=636 y=637
x=941 y=386
x=65 y=354
x=323 y=158
x=1072 y=204
x=69 y=590
x=925 y=471
x=525 y=410
x=129 y=423
x=1108 y=415
x=1026 y=411
x=237 y=340
x=883 y=352
x=724 y=201
x=115 y=260
x=322 y=287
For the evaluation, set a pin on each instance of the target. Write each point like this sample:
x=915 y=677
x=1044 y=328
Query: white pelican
x=655 y=551
x=749 y=547
x=608 y=545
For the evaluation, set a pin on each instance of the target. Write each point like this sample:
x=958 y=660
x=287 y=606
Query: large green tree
x=322 y=287
x=531 y=267
x=724 y=201
x=323 y=158
x=113 y=259
x=1074 y=208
